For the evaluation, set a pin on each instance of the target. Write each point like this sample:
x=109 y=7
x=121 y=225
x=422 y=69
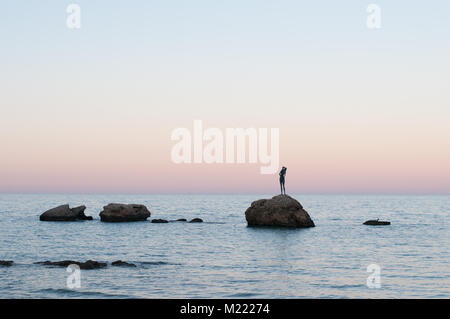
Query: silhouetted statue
x=282 y=175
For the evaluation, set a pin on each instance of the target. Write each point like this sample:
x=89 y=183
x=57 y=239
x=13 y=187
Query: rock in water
x=64 y=213
x=376 y=222
x=63 y=263
x=121 y=263
x=90 y=264
x=196 y=220
x=281 y=210
x=6 y=263
x=60 y=213
x=80 y=213
x=124 y=213
x=159 y=221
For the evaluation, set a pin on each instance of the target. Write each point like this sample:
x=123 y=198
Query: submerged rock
x=124 y=213
x=6 y=263
x=181 y=220
x=376 y=222
x=159 y=221
x=90 y=264
x=281 y=210
x=64 y=213
x=121 y=263
x=196 y=220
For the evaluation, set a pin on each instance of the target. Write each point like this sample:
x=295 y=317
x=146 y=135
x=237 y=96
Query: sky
x=91 y=110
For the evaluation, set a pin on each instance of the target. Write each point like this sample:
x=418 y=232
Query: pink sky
x=331 y=158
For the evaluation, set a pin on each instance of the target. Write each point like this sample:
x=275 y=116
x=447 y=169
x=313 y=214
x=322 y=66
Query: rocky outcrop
x=79 y=211
x=376 y=222
x=281 y=210
x=196 y=220
x=6 y=263
x=124 y=213
x=159 y=221
x=120 y=263
x=64 y=213
x=90 y=264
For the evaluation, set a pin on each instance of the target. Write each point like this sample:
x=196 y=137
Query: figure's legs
x=281 y=187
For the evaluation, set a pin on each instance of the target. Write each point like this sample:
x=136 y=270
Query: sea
x=223 y=257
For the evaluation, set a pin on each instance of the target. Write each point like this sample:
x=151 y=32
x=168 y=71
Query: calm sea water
x=223 y=258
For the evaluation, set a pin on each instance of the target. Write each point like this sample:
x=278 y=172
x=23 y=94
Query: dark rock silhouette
x=121 y=263
x=64 y=213
x=6 y=263
x=159 y=221
x=281 y=210
x=196 y=220
x=376 y=222
x=80 y=213
x=90 y=264
x=124 y=213
x=181 y=220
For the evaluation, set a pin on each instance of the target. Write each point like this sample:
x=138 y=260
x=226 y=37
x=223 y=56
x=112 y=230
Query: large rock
x=124 y=213
x=281 y=210
x=64 y=213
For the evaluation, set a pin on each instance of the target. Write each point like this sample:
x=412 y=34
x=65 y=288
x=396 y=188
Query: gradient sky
x=92 y=110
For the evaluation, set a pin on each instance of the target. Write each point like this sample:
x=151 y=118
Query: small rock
x=6 y=263
x=196 y=220
x=90 y=264
x=376 y=222
x=63 y=263
x=159 y=221
x=121 y=263
x=181 y=220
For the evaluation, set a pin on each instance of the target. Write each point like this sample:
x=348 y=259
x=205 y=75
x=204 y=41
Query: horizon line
x=230 y=193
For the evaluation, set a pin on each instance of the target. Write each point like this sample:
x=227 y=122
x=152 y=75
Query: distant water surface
x=223 y=258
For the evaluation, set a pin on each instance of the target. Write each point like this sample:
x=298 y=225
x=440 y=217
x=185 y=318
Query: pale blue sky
x=222 y=26
x=183 y=43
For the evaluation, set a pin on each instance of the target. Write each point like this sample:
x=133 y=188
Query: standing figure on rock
x=282 y=175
